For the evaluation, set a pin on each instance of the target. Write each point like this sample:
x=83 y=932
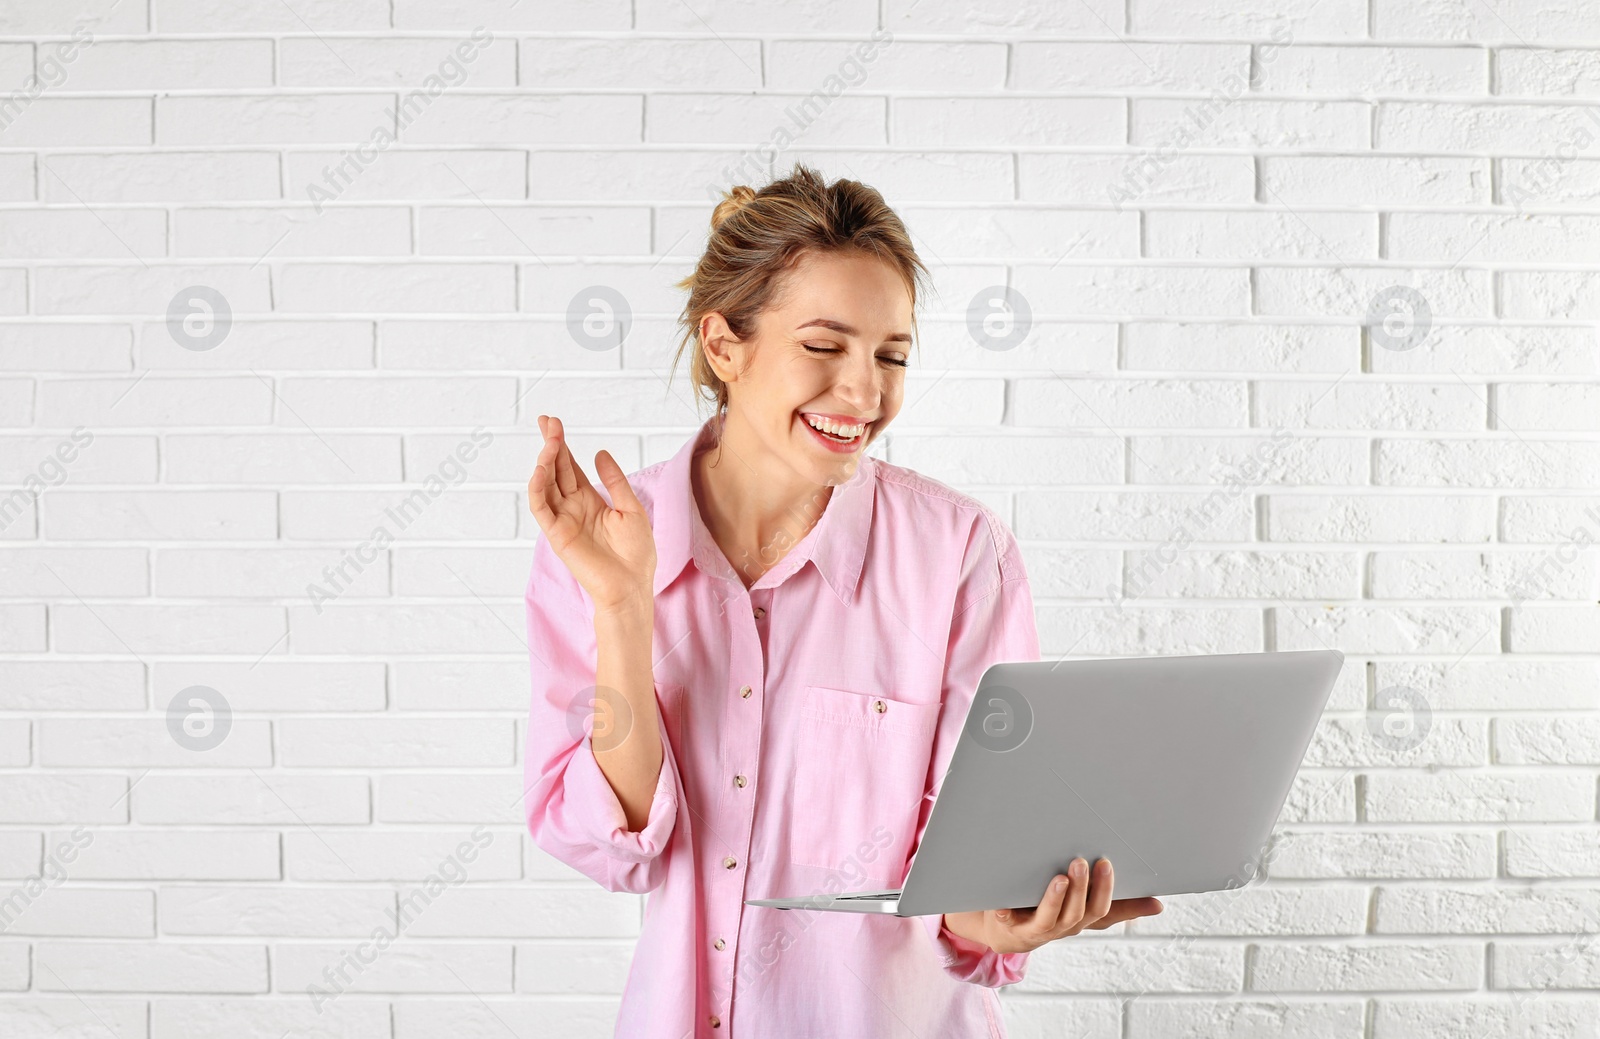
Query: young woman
x=752 y=662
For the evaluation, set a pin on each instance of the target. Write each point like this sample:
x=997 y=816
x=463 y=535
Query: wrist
x=626 y=611
x=967 y=927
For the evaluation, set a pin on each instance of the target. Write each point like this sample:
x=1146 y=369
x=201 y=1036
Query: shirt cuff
x=589 y=792
x=974 y=962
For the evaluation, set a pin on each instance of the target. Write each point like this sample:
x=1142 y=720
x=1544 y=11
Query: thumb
x=1003 y=915
x=611 y=474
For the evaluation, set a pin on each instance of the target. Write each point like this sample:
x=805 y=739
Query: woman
x=714 y=720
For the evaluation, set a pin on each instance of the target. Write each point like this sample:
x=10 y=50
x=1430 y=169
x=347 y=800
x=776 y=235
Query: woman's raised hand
x=610 y=549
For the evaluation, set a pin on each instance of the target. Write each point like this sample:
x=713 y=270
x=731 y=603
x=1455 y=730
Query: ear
x=725 y=352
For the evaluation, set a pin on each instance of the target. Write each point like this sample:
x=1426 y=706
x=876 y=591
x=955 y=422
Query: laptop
x=1175 y=768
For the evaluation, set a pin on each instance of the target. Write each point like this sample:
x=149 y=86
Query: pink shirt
x=807 y=723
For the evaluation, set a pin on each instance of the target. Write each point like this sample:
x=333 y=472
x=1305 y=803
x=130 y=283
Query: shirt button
x=718 y=944
x=729 y=862
x=716 y=1022
x=879 y=706
x=744 y=691
x=738 y=781
x=760 y=613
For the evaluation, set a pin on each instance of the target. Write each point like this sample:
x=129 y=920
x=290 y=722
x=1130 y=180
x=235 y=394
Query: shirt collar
x=836 y=546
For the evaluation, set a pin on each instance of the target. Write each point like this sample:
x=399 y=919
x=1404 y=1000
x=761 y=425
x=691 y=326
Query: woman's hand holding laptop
x=1072 y=902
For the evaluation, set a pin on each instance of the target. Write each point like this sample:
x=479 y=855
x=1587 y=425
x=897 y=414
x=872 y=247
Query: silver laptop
x=1174 y=768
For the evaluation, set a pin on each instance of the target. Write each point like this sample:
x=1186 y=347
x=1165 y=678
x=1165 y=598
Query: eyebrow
x=844 y=329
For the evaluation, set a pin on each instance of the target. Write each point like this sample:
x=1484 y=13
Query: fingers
x=1070 y=918
x=1099 y=903
x=539 y=496
x=569 y=478
x=1086 y=899
x=1128 y=909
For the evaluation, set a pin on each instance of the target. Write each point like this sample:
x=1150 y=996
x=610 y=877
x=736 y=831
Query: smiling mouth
x=853 y=433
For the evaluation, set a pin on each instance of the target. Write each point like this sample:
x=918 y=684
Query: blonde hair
x=759 y=236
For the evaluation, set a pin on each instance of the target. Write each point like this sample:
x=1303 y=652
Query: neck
x=754 y=505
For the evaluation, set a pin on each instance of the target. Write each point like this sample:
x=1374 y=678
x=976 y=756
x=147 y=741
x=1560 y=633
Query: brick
x=1281 y=235
x=1024 y=232
x=1208 y=347
x=1381 y=518
x=1552 y=629
x=460 y=685
x=459 y=60
x=283 y=685
x=505 y=230
x=159 y=967
x=1382 y=854
x=1523 y=795
x=1374 y=179
x=1095 y=403
x=1238 y=463
x=1134 y=515
x=268 y=798
x=1539 y=406
x=1387 y=629
x=1314 y=69
x=1240 y=574
x=1452 y=127
x=1154 y=177
x=1215 y=121
x=1514 y=462
x=1482 y=575
x=1143 y=291
x=263 y=16
x=1364 y=405
x=1242 y=1017
x=941 y=122
x=411 y=855
x=147 y=743
x=51 y=234
x=990 y=459
x=527 y=119
x=1498 y=684
x=735 y=119
x=1387 y=966
x=162 y=516
x=1303 y=18
x=120 y=65
x=390 y=742
x=72 y=122
x=88 y=572
x=1146 y=631
x=71 y=685
x=102 y=347
x=273 y=118
x=1461 y=20
x=1553 y=851
x=288 y=912
x=176 y=855
x=864 y=64
x=292 y=231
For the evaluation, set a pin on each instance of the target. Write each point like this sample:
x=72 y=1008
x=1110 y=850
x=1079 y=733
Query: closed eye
x=885 y=360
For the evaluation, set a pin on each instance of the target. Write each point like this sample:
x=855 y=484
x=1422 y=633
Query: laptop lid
x=1175 y=768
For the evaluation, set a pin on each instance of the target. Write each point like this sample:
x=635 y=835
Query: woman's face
x=833 y=348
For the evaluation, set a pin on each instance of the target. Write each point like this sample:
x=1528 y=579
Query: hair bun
x=733 y=200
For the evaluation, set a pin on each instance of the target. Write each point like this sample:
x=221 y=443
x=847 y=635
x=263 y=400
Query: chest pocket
x=861 y=764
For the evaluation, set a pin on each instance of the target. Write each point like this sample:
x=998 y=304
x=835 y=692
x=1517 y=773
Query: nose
x=859 y=384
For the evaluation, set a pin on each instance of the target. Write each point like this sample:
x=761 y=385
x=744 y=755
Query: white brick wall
x=1199 y=201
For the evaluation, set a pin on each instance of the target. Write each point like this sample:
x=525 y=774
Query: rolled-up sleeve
x=988 y=627
x=571 y=810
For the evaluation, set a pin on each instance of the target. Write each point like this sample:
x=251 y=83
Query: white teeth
x=837 y=429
